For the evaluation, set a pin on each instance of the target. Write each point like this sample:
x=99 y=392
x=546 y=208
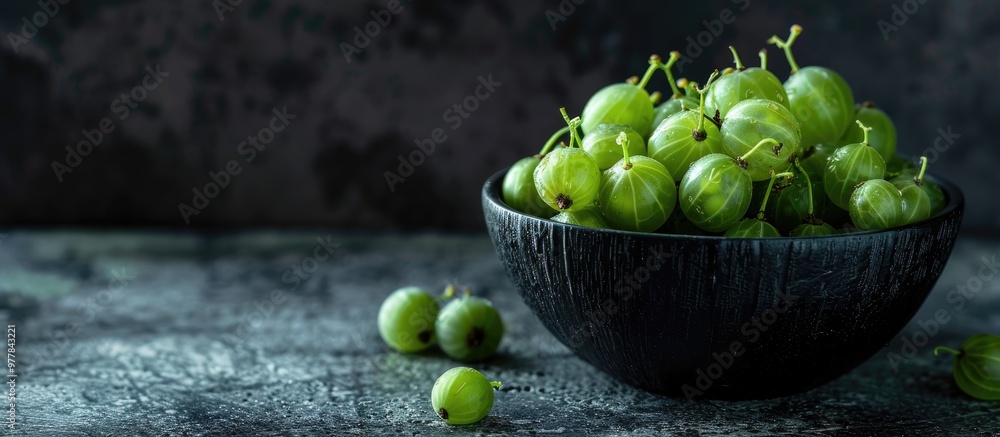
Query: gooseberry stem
x=787 y=46
x=622 y=140
x=496 y=385
x=701 y=101
x=736 y=57
x=767 y=194
x=574 y=139
x=809 y=186
x=763 y=59
x=865 y=130
x=759 y=145
x=655 y=97
x=923 y=170
x=674 y=56
x=946 y=349
x=654 y=64
x=449 y=292
x=553 y=140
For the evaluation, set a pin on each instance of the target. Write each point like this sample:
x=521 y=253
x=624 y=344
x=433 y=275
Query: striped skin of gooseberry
x=684 y=138
x=883 y=135
x=637 y=193
x=977 y=366
x=406 y=319
x=469 y=329
x=744 y=84
x=748 y=123
x=519 y=191
x=463 y=396
x=752 y=228
x=588 y=217
x=622 y=103
x=849 y=166
x=819 y=97
x=567 y=179
x=916 y=203
x=876 y=205
x=812 y=230
x=601 y=143
x=715 y=192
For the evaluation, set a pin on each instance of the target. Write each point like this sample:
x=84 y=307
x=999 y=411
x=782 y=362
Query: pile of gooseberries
x=744 y=156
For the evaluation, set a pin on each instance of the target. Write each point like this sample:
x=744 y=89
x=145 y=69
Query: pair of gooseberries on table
x=698 y=161
x=468 y=328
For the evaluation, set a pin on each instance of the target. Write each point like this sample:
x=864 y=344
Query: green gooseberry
x=518 y=187
x=601 y=143
x=849 y=166
x=883 y=135
x=758 y=227
x=744 y=84
x=622 y=103
x=977 y=366
x=637 y=193
x=812 y=230
x=684 y=138
x=677 y=102
x=751 y=121
x=469 y=328
x=567 y=178
x=406 y=319
x=898 y=166
x=916 y=201
x=819 y=97
x=589 y=217
x=875 y=205
x=462 y=396
x=716 y=191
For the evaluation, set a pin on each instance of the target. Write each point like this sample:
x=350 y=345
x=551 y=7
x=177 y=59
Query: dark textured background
x=938 y=70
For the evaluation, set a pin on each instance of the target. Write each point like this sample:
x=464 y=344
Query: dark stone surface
x=937 y=71
x=156 y=356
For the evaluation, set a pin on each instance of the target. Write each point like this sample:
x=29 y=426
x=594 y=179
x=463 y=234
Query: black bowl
x=716 y=317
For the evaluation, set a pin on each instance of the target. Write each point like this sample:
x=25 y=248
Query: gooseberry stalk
x=655 y=97
x=574 y=139
x=919 y=180
x=864 y=130
x=786 y=45
x=699 y=133
x=674 y=57
x=654 y=64
x=763 y=59
x=736 y=58
x=496 y=385
x=623 y=141
x=552 y=141
x=767 y=194
x=742 y=161
x=810 y=216
x=947 y=349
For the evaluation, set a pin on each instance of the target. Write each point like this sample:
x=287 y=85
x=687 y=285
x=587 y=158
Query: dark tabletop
x=126 y=333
